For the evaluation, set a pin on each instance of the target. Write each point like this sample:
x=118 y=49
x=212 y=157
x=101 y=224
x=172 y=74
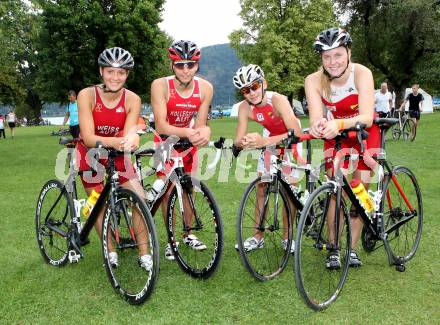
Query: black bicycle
x=406 y=128
x=191 y=209
x=269 y=211
x=396 y=221
x=128 y=229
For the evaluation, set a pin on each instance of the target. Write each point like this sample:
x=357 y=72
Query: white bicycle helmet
x=332 y=38
x=246 y=75
x=116 y=57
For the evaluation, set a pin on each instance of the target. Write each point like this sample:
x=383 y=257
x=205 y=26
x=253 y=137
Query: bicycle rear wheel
x=53 y=217
x=195 y=214
x=319 y=284
x=401 y=224
x=265 y=209
x=409 y=130
x=131 y=233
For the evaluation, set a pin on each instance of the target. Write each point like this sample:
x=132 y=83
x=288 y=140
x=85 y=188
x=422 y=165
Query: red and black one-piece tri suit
x=344 y=103
x=109 y=122
x=268 y=117
x=180 y=112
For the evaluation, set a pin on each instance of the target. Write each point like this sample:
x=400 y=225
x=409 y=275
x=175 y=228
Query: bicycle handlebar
x=357 y=132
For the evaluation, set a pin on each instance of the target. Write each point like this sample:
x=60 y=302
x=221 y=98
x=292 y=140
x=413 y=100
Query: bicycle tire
x=131 y=229
x=53 y=218
x=395 y=132
x=270 y=260
x=402 y=240
x=207 y=226
x=318 y=285
x=409 y=130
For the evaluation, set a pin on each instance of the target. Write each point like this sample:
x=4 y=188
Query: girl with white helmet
x=108 y=113
x=270 y=109
x=346 y=90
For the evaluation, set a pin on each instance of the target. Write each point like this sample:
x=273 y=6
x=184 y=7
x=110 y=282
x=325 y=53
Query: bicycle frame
x=79 y=231
x=376 y=216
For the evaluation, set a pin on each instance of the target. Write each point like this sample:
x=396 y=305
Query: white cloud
x=206 y=22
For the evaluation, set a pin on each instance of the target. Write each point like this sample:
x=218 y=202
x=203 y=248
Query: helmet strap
x=106 y=90
x=330 y=77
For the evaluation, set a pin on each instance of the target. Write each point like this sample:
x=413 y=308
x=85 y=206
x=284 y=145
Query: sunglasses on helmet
x=254 y=87
x=183 y=65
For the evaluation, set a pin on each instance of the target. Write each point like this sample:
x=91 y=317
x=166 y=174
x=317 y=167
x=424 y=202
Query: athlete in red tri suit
x=109 y=113
x=175 y=100
x=347 y=91
x=273 y=111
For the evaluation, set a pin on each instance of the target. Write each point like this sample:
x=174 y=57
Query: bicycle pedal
x=74 y=257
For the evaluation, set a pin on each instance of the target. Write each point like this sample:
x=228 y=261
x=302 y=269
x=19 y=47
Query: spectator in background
x=151 y=121
x=393 y=101
x=415 y=103
x=383 y=100
x=2 y=126
x=12 y=122
x=72 y=113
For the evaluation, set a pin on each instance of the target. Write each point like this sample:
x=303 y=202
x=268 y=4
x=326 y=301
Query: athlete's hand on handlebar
x=252 y=140
x=331 y=129
x=316 y=129
x=201 y=136
x=128 y=143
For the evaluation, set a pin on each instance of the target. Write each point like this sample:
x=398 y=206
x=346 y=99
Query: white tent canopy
x=427 y=102
x=234 y=111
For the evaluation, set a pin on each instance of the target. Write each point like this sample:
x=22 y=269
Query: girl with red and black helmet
x=346 y=89
x=176 y=100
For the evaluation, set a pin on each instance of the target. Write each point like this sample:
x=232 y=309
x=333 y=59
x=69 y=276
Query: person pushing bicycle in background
x=415 y=104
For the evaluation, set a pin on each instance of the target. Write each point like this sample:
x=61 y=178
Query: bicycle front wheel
x=195 y=229
x=319 y=282
x=53 y=218
x=264 y=214
x=402 y=221
x=409 y=130
x=394 y=132
x=129 y=231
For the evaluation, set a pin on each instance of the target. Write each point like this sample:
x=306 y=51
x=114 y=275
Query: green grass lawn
x=34 y=292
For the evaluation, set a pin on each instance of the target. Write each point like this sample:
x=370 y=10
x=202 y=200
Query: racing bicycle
x=191 y=208
x=128 y=229
x=395 y=221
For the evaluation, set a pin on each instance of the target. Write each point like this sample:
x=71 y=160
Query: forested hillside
x=218 y=65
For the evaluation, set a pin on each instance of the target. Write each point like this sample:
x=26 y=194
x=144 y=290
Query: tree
x=74 y=33
x=15 y=34
x=398 y=39
x=278 y=35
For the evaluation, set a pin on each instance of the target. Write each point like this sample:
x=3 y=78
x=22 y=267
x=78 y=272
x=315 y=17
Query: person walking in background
x=393 y=100
x=415 y=104
x=12 y=122
x=383 y=100
x=72 y=113
x=2 y=127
